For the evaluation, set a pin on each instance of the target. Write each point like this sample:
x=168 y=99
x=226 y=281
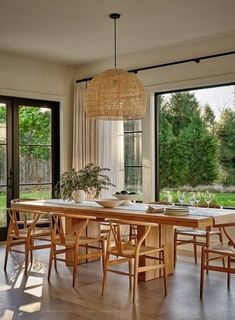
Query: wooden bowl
x=109 y=203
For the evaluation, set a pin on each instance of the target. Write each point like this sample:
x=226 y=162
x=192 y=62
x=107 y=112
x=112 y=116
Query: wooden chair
x=62 y=243
x=219 y=252
x=23 y=230
x=44 y=220
x=131 y=235
x=127 y=251
x=197 y=237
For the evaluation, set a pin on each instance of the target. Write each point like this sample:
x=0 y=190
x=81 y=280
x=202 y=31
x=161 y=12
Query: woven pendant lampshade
x=115 y=94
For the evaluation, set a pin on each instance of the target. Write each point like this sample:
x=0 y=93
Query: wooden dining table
x=162 y=234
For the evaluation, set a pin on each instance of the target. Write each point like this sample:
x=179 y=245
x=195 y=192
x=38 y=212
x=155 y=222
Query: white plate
x=177 y=211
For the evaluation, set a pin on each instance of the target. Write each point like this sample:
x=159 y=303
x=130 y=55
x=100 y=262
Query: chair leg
x=207 y=255
x=75 y=267
x=195 y=248
x=51 y=257
x=31 y=251
x=105 y=272
x=6 y=255
x=222 y=242
x=136 y=265
x=130 y=273
x=26 y=258
x=164 y=270
x=55 y=261
x=103 y=254
x=202 y=272
x=175 y=247
x=229 y=274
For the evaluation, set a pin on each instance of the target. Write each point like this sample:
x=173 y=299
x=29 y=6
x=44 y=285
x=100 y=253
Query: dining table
x=161 y=234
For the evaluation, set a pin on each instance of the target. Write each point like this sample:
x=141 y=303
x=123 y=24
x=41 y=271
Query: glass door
x=35 y=152
x=5 y=183
x=29 y=151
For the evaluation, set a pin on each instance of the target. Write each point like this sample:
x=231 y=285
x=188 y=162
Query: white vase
x=79 y=196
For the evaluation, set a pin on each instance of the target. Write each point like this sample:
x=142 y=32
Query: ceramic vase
x=79 y=196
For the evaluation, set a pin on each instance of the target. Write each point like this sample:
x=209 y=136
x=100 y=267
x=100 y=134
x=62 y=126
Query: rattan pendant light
x=115 y=94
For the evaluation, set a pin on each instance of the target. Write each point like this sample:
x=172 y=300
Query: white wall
x=207 y=72
x=37 y=80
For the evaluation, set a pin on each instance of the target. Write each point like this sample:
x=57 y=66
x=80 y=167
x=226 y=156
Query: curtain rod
x=197 y=60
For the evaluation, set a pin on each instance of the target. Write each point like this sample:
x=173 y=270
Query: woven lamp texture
x=115 y=95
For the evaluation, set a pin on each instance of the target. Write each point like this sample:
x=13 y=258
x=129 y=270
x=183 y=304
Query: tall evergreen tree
x=226 y=136
x=188 y=150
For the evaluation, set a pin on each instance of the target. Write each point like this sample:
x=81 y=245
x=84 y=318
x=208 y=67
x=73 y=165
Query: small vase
x=79 y=196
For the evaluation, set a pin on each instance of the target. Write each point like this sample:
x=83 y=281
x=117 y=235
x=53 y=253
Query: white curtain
x=97 y=141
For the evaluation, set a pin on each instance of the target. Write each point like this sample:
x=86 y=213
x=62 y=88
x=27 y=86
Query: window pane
x=36 y=192
x=132 y=125
x=34 y=125
x=197 y=145
x=2 y=123
x=133 y=149
x=3 y=166
x=35 y=164
x=133 y=179
x=3 y=201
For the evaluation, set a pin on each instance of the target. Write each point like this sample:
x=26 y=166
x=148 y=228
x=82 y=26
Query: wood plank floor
x=34 y=298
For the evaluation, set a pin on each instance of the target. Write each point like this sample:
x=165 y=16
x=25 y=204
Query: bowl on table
x=128 y=198
x=109 y=203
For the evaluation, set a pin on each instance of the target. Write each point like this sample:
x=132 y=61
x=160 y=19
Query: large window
x=133 y=156
x=197 y=145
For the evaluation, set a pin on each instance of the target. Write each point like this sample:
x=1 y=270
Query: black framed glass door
x=29 y=151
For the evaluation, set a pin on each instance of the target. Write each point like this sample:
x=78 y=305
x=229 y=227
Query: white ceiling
x=75 y=32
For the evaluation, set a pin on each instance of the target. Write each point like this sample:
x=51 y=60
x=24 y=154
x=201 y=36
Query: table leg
x=92 y=230
x=158 y=236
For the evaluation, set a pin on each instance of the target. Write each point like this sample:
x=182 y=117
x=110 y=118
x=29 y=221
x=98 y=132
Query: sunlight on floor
x=4 y=287
x=33 y=281
x=8 y=315
x=31 y=307
x=37 y=291
x=19 y=280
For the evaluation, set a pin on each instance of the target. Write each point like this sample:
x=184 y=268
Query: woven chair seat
x=196 y=232
x=69 y=240
x=223 y=249
x=129 y=250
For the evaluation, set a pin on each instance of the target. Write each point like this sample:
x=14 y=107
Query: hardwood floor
x=32 y=297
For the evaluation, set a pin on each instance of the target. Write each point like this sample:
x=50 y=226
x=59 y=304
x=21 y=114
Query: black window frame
x=157 y=127
x=133 y=132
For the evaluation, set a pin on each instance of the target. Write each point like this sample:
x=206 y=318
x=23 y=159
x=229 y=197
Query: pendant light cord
x=115 y=16
x=115 y=44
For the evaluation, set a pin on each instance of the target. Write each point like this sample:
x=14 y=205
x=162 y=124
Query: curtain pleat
x=97 y=141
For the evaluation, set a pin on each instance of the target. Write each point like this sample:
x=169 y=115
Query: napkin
x=151 y=209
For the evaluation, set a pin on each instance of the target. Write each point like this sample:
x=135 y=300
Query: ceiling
x=76 y=32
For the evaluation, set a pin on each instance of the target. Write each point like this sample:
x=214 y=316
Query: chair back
x=18 y=221
x=115 y=234
x=229 y=231
x=58 y=226
x=29 y=216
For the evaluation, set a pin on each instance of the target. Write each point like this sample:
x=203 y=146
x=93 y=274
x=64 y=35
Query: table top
x=137 y=212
